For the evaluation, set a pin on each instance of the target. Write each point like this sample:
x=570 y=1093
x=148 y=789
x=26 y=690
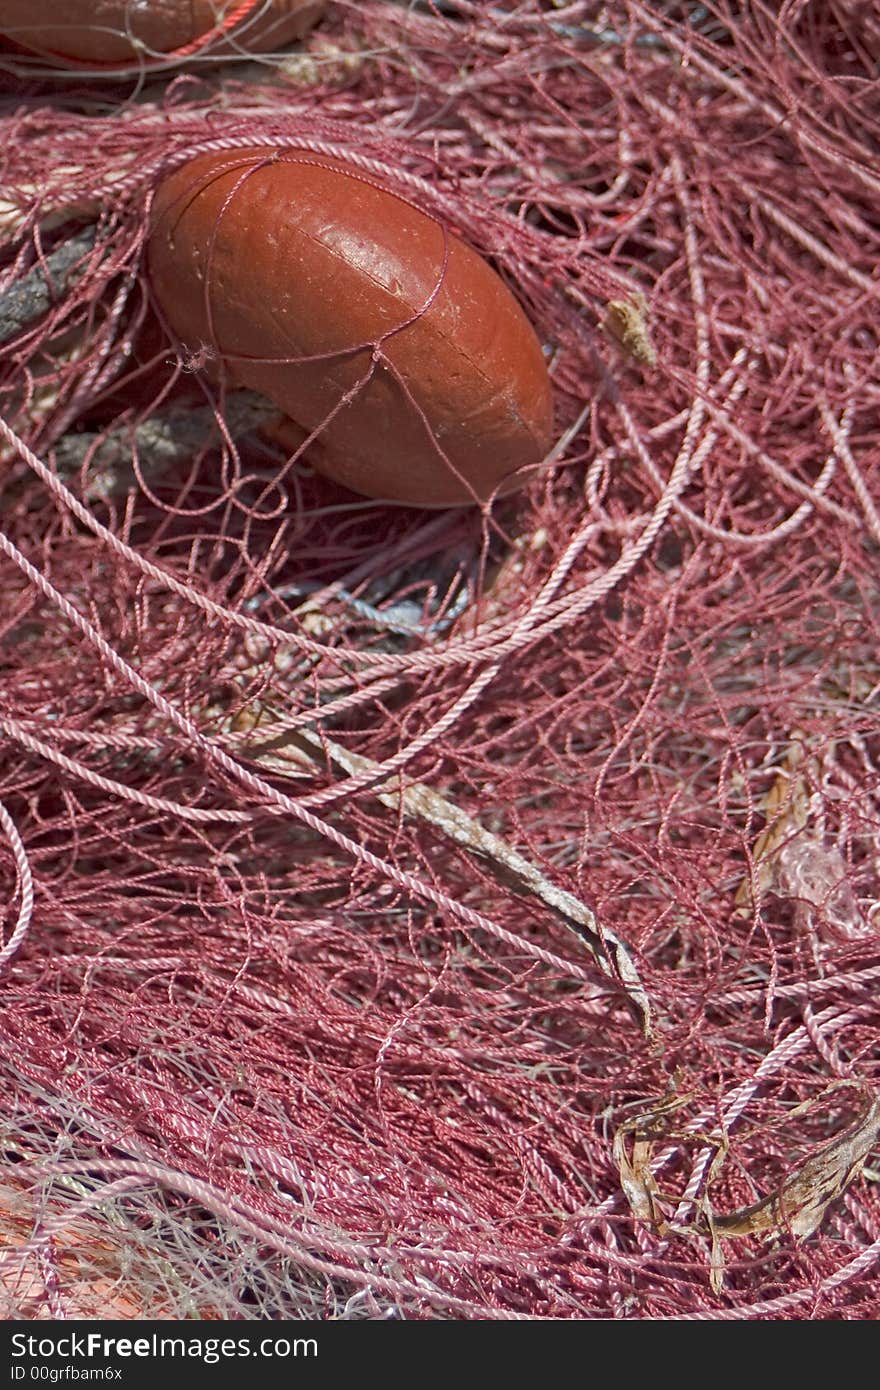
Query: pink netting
x=345 y=848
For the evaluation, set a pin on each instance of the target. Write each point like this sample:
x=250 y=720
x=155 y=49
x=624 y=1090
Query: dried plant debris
x=792 y=858
x=323 y=63
x=799 y=1204
x=626 y=320
x=632 y=1150
x=796 y=1208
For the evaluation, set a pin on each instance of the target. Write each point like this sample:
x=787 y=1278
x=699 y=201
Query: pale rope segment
x=839 y=434
x=826 y=1051
x=54 y=1297
x=787 y=1302
x=116 y=738
x=25 y=887
x=242 y=14
x=864 y=1218
x=151 y=803
x=727 y=425
x=803 y=990
x=783 y=529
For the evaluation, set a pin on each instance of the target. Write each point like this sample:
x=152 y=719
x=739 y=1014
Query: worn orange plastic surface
x=123 y=31
x=299 y=258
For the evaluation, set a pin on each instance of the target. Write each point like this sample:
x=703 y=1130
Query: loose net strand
x=469 y=914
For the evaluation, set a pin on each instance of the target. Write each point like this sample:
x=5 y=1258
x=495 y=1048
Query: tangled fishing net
x=455 y=914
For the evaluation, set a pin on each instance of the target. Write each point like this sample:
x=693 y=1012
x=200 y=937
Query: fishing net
x=461 y=914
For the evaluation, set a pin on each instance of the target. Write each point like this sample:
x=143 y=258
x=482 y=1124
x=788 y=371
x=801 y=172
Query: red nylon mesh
x=308 y=1053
